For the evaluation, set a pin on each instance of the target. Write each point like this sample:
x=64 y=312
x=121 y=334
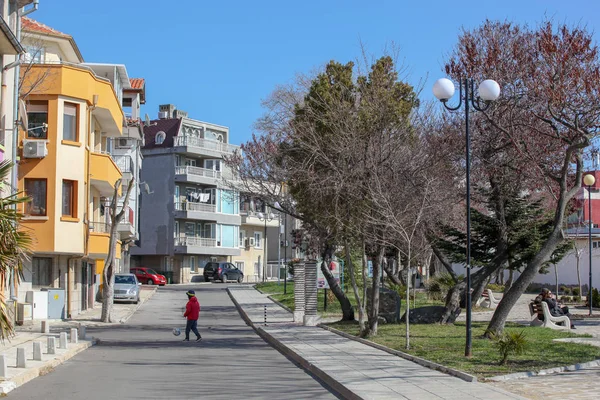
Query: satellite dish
x=23 y=114
x=147 y=121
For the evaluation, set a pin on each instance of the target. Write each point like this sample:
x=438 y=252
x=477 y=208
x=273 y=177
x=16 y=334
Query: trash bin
x=168 y=275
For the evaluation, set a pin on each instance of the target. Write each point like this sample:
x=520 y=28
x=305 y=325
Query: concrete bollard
x=51 y=345
x=81 y=331
x=37 y=351
x=73 y=337
x=3 y=367
x=63 y=341
x=45 y=326
x=21 y=361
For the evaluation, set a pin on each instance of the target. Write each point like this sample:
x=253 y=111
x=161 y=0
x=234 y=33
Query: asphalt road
x=144 y=360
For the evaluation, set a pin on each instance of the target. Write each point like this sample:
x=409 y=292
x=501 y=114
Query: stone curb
x=32 y=373
x=555 y=370
x=286 y=351
x=137 y=306
x=425 y=363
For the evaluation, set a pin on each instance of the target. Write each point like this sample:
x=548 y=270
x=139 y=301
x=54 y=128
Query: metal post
x=265 y=253
x=279 y=250
x=265 y=309
x=325 y=300
x=286 y=256
x=468 y=351
x=590 y=297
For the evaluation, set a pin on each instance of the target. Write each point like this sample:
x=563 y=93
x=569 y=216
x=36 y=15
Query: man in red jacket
x=192 y=312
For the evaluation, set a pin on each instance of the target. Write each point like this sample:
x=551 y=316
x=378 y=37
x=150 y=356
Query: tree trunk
x=394 y=277
x=336 y=289
x=509 y=282
x=496 y=325
x=556 y=279
x=374 y=311
x=110 y=264
x=359 y=301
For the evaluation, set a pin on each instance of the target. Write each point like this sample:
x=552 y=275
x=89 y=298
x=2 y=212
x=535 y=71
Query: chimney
x=166 y=111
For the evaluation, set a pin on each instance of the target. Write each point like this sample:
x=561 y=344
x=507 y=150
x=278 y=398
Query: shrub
x=567 y=291
x=565 y=299
x=563 y=289
x=495 y=287
x=510 y=343
x=438 y=286
x=577 y=299
x=576 y=291
x=595 y=298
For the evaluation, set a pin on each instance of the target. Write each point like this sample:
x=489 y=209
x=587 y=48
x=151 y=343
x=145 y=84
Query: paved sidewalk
x=27 y=334
x=355 y=370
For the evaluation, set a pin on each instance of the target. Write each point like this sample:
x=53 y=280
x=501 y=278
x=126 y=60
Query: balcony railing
x=205 y=144
x=207 y=173
x=195 y=241
x=100 y=227
x=190 y=206
x=125 y=163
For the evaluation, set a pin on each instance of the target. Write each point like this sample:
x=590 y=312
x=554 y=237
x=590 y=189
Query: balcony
x=126 y=230
x=99 y=240
x=126 y=165
x=199 y=245
x=197 y=175
x=251 y=218
x=203 y=147
x=79 y=82
x=204 y=212
x=104 y=173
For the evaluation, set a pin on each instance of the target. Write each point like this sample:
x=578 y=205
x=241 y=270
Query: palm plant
x=15 y=245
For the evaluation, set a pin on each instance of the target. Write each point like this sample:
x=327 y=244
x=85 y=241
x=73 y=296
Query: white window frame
x=193 y=267
x=242 y=240
x=258 y=240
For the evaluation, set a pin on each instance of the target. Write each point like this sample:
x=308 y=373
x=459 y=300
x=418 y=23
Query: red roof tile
x=31 y=25
x=137 y=83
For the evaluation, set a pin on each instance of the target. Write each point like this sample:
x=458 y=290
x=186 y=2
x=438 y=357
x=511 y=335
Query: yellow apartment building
x=65 y=168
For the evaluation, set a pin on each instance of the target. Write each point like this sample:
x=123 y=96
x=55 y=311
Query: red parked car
x=149 y=276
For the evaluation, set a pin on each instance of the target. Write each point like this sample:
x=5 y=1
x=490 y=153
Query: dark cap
x=191 y=293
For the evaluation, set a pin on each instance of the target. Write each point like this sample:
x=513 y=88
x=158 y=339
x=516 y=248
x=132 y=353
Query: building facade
x=74 y=115
x=188 y=215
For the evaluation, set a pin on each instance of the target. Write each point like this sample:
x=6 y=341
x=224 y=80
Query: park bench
x=541 y=317
x=487 y=299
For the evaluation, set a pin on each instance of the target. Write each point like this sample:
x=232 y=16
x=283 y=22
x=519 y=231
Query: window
x=70 y=131
x=69 y=199
x=41 y=271
x=37 y=119
x=210 y=231
x=176 y=232
x=257 y=240
x=192 y=264
x=239 y=265
x=190 y=229
x=190 y=162
x=595 y=244
x=242 y=238
x=212 y=164
x=160 y=137
x=33 y=54
x=36 y=190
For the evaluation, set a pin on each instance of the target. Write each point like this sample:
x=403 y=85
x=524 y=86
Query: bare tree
x=108 y=274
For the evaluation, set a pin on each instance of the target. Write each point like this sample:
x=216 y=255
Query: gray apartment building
x=188 y=216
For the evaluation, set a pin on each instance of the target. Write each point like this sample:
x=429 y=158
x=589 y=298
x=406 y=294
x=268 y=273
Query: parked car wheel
x=240 y=279
x=224 y=278
x=137 y=300
x=150 y=282
x=206 y=278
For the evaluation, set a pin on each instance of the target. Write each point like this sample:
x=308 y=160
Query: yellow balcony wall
x=98 y=245
x=104 y=173
x=80 y=83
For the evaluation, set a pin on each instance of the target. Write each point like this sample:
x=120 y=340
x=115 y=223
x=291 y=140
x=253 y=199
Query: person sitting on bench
x=556 y=310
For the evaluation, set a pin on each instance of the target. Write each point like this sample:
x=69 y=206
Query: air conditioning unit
x=123 y=143
x=251 y=242
x=34 y=149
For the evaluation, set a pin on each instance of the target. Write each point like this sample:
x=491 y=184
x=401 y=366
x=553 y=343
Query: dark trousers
x=192 y=325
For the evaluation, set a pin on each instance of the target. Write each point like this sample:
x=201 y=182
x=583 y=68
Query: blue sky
x=218 y=59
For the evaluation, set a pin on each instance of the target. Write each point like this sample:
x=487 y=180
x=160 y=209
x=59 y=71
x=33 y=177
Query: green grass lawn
x=445 y=344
